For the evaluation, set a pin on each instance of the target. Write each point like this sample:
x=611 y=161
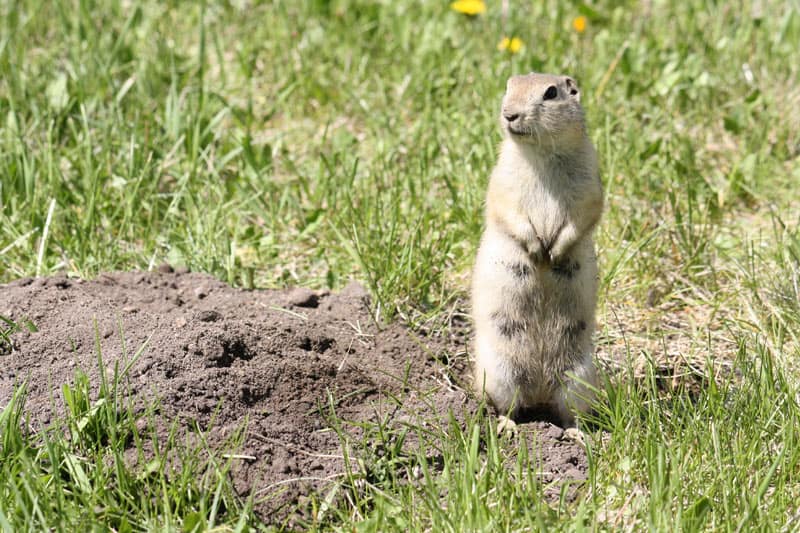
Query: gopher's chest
x=546 y=211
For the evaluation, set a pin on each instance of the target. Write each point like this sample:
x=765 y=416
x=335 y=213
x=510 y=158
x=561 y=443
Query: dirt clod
x=301 y=297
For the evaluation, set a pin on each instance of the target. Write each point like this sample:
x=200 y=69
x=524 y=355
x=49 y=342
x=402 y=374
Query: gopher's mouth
x=514 y=131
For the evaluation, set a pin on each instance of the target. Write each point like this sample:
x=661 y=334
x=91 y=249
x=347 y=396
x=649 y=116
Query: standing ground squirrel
x=534 y=285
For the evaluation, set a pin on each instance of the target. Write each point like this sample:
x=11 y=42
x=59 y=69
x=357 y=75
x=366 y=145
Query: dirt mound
x=218 y=356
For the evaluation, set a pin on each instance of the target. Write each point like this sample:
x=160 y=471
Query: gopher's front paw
x=573 y=434
x=537 y=251
x=506 y=426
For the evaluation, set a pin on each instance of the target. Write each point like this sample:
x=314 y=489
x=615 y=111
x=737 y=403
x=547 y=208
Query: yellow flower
x=579 y=24
x=247 y=255
x=513 y=45
x=469 y=7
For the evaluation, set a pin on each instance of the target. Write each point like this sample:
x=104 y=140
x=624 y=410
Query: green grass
x=308 y=143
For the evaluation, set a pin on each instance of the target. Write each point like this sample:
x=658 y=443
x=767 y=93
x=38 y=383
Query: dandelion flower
x=247 y=255
x=579 y=24
x=469 y=7
x=513 y=44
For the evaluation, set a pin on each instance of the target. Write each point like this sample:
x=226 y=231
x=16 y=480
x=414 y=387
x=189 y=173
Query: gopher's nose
x=511 y=117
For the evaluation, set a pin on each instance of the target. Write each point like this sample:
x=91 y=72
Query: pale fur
x=534 y=311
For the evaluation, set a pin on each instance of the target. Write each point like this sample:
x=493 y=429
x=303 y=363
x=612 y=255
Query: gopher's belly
x=533 y=323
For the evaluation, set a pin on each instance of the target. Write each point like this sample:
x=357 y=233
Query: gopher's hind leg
x=494 y=377
x=576 y=392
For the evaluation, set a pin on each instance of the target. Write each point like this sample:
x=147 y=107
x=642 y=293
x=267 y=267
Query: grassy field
x=313 y=142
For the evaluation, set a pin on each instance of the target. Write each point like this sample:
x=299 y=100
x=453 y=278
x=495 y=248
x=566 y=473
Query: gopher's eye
x=550 y=93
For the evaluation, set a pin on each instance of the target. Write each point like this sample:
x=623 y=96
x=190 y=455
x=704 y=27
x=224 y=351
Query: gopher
x=534 y=287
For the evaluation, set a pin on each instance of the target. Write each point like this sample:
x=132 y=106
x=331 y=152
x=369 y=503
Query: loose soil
x=217 y=357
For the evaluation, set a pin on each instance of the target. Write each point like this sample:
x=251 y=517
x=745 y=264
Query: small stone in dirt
x=288 y=465
x=355 y=290
x=165 y=268
x=215 y=352
x=208 y=315
x=553 y=432
x=201 y=291
x=180 y=322
x=302 y=297
x=182 y=270
x=304 y=343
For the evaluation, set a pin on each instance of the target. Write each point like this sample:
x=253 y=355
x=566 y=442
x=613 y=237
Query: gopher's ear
x=572 y=88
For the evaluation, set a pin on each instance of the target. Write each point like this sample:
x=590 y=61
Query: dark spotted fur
x=507 y=327
x=519 y=270
x=566 y=269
